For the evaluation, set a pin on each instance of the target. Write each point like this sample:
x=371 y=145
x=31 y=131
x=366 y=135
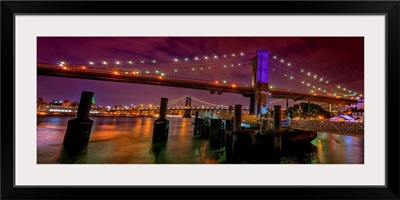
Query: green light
x=93 y=101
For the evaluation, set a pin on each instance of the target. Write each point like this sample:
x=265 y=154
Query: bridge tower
x=259 y=101
x=186 y=112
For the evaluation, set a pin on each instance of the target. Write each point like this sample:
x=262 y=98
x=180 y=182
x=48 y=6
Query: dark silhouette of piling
x=237 y=121
x=277 y=128
x=161 y=125
x=78 y=130
x=236 y=134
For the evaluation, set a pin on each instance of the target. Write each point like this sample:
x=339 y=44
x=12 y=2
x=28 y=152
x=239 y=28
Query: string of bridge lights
x=182 y=99
x=200 y=101
x=209 y=65
x=275 y=101
x=174 y=60
x=173 y=102
x=315 y=77
x=194 y=67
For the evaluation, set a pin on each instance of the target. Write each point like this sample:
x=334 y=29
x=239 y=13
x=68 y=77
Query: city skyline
x=314 y=55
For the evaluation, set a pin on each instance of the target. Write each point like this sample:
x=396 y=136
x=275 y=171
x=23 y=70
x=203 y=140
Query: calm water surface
x=123 y=140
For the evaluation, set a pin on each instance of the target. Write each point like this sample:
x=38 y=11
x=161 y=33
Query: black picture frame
x=9 y=9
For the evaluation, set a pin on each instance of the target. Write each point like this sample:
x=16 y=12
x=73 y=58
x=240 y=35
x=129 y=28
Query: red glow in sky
x=337 y=59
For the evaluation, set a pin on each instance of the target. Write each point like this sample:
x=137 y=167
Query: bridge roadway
x=85 y=72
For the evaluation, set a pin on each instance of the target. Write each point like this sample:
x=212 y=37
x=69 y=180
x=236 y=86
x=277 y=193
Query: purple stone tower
x=260 y=82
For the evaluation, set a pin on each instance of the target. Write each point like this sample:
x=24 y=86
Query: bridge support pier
x=260 y=81
x=252 y=102
x=78 y=130
x=186 y=113
x=161 y=125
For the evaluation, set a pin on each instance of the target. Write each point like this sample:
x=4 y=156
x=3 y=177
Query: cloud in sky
x=339 y=59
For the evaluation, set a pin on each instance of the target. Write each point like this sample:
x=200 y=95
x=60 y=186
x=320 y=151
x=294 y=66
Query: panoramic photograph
x=200 y=100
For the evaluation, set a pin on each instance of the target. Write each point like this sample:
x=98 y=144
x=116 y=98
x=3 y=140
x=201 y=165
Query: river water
x=125 y=140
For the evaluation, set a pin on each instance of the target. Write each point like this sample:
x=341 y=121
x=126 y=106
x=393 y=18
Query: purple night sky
x=337 y=59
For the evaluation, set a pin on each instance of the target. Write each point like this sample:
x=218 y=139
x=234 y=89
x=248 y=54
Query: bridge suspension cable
x=311 y=79
x=176 y=101
x=207 y=103
x=190 y=68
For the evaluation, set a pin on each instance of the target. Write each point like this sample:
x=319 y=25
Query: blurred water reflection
x=119 y=140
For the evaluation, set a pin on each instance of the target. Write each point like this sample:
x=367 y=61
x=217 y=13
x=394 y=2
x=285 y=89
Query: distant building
x=56 y=102
x=358 y=114
x=360 y=103
x=41 y=106
x=66 y=103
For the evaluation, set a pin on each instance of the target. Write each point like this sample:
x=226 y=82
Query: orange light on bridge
x=216 y=82
x=160 y=77
x=315 y=94
x=233 y=85
x=83 y=67
x=115 y=72
x=65 y=68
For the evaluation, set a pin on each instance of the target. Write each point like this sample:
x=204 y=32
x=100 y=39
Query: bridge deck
x=84 y=72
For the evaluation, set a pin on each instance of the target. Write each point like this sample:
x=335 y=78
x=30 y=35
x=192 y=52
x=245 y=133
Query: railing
x=331 y=126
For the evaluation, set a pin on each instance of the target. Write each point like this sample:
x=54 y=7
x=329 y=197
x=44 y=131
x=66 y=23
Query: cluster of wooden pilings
x=250 y=145
x=212 y=129
x=238 y=144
